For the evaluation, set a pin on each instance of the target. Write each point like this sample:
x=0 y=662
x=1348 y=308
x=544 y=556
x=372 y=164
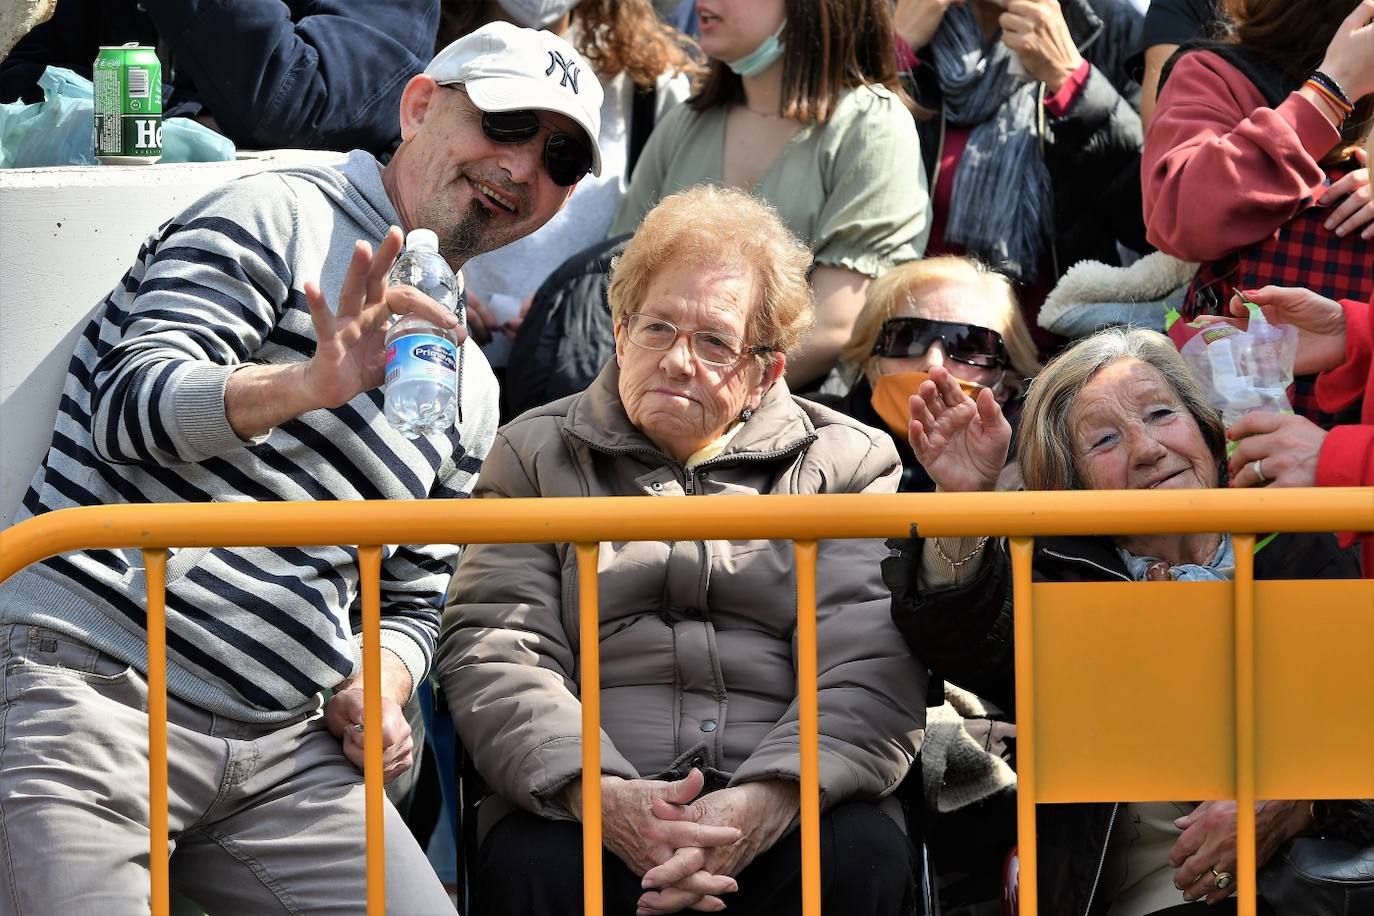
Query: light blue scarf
x=1221 y=569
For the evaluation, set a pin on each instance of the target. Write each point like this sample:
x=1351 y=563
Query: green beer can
x=128 y=105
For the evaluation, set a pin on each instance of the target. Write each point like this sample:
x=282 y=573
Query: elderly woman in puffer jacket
x=700 y=748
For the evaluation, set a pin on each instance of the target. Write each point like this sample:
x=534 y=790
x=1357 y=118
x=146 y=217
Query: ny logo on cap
x=570 y=70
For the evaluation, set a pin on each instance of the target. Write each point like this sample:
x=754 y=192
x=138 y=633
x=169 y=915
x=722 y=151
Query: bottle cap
x=422 y=240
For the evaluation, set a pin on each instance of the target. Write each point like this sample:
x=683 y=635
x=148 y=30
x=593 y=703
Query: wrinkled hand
x=350 y=356
x=917 y=21
x=1320 y=323
x=762 y=811
x=1356 y=211
x=345 y=711
x=1349 y=56
x=1209 y=842
x=629 y=827
x=1037 y=34
x=961 y=443
x=1286 y=445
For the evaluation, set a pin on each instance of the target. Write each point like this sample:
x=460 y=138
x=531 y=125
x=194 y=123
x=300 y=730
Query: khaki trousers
x=264 y=819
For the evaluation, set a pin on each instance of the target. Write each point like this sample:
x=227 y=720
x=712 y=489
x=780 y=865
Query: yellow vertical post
x=155 y=563
x=1021 y=552
x=589 y=630
x=370 y=575
x=1245 y=723
x=810 y=726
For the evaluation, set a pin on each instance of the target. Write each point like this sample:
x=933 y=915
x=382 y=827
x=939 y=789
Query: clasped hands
x=688 y=847
x=1207 y=846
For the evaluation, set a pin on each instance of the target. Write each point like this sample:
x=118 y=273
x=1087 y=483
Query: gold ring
x=1221 y=879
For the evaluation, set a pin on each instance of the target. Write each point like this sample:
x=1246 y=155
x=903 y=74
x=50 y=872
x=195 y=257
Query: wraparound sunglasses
x=910 y=337
x=566 y=158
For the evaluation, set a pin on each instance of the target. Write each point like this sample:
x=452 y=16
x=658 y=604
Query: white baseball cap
x=506 y=68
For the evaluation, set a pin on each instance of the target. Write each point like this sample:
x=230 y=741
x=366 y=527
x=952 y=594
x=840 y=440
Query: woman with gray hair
x=1115 y=411
x=700 y=748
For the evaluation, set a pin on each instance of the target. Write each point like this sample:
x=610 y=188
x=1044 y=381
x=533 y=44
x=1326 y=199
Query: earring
x=745 y=414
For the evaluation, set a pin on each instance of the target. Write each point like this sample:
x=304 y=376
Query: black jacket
x=567 y=335
x=310 y=74
x=1093 y=152
x=966 y=634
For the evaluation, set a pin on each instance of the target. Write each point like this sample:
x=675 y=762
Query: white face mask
x=536 y=14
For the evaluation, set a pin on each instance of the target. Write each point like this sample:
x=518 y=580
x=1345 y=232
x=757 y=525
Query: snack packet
x=1242 y=371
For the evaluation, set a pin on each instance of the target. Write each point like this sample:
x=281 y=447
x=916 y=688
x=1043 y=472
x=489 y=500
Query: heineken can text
x=128 y=105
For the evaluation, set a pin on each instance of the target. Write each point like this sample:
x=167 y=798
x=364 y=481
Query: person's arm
x=506 y=662
x=1346 y=458
x=209 y=293
x=875 y=214
x=330 y=80
x=951 y=597
x=839 y=295
x=180 y=384
x=1218 y=174
x=871 y=688
x=1155 y=58
x=69 y=38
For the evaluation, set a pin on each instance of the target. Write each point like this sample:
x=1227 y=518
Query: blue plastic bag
x=61 y=129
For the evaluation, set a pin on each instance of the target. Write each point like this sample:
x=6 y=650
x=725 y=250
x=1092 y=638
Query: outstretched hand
x=350 y=356
x=1319 y=320
x=962 y=443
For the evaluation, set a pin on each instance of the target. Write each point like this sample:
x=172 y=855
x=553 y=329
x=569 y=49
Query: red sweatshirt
x=1347 y=455
x=1221 y=170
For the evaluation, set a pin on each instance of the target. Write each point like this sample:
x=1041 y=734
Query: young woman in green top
x=802 y=108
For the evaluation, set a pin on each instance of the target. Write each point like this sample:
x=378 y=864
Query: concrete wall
x=66 y=237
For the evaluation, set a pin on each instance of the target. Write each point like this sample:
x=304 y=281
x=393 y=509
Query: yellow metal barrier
x=1068 y=749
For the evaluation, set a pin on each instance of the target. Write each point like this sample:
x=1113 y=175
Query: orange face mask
x=891 y=394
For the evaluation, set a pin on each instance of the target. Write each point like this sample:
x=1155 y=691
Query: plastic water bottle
x=422 y=360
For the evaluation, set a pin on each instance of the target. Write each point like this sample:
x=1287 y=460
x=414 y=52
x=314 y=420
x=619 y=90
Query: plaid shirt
x=1301 y=253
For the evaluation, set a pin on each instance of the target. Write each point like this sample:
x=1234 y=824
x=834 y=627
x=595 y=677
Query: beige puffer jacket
x=697 y=638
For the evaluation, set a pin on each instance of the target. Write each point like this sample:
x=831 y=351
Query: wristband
x=1324 y=79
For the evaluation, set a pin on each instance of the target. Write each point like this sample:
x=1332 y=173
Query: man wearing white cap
x=217 y=371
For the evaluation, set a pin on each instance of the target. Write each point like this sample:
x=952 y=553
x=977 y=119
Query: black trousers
x=530 y=866
x=1197 y=908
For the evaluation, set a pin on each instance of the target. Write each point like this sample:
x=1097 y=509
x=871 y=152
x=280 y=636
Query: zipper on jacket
x=1102 y=860
x=1111 y=572
x=689 y=481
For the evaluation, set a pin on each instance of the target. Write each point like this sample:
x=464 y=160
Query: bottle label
x=422 y=356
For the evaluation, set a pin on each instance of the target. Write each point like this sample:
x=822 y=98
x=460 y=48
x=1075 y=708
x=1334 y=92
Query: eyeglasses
x=910 y=337
x=566 y=158
x=711 y=347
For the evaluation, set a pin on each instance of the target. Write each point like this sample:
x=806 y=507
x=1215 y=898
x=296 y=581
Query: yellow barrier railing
x=1230 y=768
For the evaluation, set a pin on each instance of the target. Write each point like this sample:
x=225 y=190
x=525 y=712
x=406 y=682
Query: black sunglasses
x=566 y=158
x=909 y=337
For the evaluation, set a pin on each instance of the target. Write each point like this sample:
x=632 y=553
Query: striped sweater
x=254 y=634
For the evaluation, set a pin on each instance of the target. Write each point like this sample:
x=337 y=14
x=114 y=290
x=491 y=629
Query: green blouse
x=852 y=188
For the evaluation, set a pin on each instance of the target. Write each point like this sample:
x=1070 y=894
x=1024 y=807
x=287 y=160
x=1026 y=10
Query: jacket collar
x=778 y=428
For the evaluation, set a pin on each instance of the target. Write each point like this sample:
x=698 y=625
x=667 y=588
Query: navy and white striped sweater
x=254 y=634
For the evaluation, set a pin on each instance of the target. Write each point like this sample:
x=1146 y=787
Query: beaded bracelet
x=1340 y=108
x=1326 y=80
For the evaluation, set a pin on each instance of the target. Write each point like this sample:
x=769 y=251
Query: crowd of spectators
x=718 y=247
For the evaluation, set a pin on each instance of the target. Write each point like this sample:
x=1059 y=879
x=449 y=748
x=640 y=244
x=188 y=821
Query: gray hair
x=1045 y=444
